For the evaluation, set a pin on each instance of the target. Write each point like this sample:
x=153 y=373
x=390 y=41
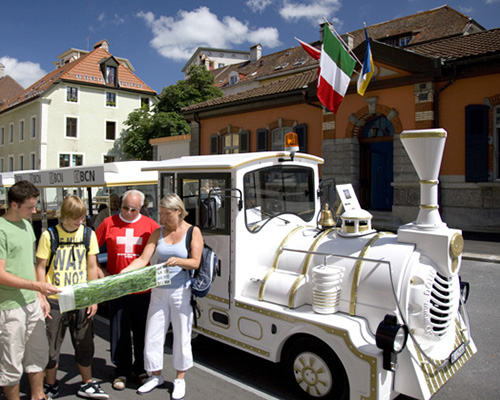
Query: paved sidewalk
x=479 y=250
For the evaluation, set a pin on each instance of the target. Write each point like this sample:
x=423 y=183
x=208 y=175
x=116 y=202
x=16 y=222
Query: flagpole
x=346 y=47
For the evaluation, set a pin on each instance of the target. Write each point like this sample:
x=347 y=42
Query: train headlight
x=391 y=338
x=455 y=250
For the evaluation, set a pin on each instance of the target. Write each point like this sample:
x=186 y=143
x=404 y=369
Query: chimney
x=321 y=31
x=348 y=39
x=103 y=43
x=255 y=52
x=2 y=69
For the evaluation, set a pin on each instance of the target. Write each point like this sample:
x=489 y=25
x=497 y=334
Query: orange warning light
x=291 y=142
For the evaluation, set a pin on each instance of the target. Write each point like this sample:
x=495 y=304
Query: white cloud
x=466 y=10
x=117 y=20
x=178 y=37
x=313 y=11
x=492 y=1
x=258 y=5
x=24 y=72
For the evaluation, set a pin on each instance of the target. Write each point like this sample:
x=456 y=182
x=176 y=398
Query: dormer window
x=404 y=41
x=109 y=70
x=111 y=75
x=233 y=78
x=281 y=66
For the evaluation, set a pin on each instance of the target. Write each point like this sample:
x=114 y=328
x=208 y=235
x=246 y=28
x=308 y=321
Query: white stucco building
x=74 y=114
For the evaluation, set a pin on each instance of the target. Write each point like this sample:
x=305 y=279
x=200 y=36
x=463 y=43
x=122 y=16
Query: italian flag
x=336 y=68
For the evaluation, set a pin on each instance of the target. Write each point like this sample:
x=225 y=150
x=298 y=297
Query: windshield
x=278 y=190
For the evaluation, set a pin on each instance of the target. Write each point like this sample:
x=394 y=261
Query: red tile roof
x=9 y=88
x=280 y=63
x=85 y=70
x=460 y=47
x=426 y=25
x=483 y=43
x=288 y=84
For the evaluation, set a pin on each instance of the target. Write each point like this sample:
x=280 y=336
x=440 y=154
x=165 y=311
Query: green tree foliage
x=196 y=88
x=165 y=119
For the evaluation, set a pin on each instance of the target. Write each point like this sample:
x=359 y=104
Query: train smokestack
x=425 y=148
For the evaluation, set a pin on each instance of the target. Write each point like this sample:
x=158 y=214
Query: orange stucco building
x=450 y=82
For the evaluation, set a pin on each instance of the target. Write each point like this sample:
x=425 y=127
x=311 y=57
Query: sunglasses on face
x=131 y=209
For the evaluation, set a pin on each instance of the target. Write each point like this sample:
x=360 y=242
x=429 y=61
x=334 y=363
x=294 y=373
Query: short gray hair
x=133 y=192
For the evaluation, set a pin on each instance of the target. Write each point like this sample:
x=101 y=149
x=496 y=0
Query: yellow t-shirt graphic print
x=69 y=263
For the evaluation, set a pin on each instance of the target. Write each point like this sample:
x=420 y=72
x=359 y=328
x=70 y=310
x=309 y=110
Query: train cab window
x=206 y=201
x=278 y=190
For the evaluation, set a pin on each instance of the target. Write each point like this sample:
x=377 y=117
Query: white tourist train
x=352 y=313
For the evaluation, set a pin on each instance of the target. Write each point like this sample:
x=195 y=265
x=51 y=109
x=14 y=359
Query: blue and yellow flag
x=367 y=71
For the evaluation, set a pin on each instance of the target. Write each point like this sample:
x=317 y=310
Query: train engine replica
x=350 y=312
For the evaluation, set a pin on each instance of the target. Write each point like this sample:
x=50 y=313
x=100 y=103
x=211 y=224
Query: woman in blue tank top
x=170 y=303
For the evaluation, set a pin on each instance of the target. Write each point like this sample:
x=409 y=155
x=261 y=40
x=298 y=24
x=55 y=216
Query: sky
x=159 y=36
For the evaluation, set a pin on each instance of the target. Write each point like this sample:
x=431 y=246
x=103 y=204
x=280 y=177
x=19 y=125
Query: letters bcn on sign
x=84 y=176
x=35 y=179
x=56 y=177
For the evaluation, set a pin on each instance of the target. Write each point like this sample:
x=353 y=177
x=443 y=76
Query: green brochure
x=113 y=286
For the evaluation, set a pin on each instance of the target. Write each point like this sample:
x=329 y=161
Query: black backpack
x=203 y=277
x=55 y=243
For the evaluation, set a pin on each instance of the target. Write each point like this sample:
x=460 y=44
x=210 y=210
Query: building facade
x=449 y=81
x=73 y=115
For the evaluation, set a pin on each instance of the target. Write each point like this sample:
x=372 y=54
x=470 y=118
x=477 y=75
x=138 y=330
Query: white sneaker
x=179 y=389
x=152 y=382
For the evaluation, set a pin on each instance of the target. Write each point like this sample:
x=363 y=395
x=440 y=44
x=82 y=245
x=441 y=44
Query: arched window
x=378 y=127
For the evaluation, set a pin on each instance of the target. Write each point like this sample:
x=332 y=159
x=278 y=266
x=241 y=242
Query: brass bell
x=326 y=219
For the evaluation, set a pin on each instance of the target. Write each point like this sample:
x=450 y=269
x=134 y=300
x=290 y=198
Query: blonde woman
x=170 y=303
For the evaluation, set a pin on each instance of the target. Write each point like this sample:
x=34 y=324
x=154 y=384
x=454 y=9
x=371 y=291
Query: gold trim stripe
x=428 y=207
x=371 y=360
x=99 y=185
x=275 y=261
x=305 y=266
x=217 y=298
x=434 y=378
x=418 y=135
x=357 y=270
x=226 y=167
x=429 y=182
x=234 y=342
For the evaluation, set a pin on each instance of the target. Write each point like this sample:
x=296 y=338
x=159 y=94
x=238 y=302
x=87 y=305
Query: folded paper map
x=111 y=287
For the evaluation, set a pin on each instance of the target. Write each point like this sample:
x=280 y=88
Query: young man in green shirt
x=23 y=341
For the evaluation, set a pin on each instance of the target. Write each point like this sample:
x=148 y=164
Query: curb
x=481 y=257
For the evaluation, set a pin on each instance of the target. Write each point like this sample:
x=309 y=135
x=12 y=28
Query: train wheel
x=314 y=369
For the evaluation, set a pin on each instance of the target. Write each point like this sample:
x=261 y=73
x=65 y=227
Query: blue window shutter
x=262 y=139
x=476 y=143
x=244 y=142
x=214 y=144
x=301 y=131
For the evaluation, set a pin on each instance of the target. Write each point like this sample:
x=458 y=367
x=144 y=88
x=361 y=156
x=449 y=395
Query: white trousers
x=169 y=305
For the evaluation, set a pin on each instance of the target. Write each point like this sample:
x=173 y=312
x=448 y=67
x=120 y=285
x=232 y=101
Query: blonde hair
x=173 y=202
x=73 y=208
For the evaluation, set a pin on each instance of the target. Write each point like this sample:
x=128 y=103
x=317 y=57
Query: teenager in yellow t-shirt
x=71 y=264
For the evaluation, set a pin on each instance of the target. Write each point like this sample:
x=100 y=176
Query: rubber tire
x=318 y=369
